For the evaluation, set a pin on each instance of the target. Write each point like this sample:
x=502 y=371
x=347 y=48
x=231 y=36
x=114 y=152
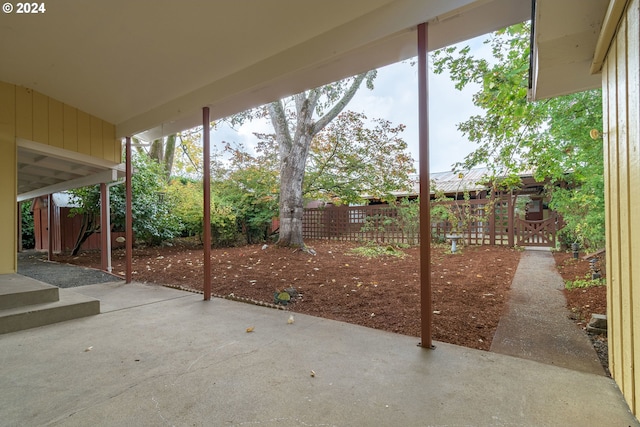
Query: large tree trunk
x=291 y=201
x=293 y=150
x=169 y=155
x=163 y=151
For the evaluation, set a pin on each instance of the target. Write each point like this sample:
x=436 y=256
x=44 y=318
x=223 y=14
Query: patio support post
x=50 y=227
x=206 y=182
x=104 y=227
x=19 y=213
x=425 y=192
x=129 y=213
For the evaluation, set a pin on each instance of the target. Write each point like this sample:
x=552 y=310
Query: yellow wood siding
x=40 y=118
x=29 y=115
x=70 y=128
x=24 y=113
x=8 y=189
x=633 y=82
x=84 y=131
x=96 y=137
x=56 y=123
x=621 y=101
x=45 y=120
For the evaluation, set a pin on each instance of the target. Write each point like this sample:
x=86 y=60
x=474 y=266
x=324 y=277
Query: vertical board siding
x=24 y=113
x=45 y=120
x=84 y=131
x=613 y=264
x=633 y=76
x=623 y=204
x=8 y=173
x=40 y=118
x=29 y=115
x=621 y=99
x=56 y=123
x=96 y=137
x=70 y=128
x=109 y=134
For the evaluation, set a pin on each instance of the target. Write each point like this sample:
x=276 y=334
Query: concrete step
x=19 y=291
x=71 y=305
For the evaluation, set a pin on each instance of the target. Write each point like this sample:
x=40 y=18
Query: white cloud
x=395 y=98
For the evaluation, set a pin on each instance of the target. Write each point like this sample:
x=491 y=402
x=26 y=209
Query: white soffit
x=565 y=39
x=149 y=64
x=43 y=169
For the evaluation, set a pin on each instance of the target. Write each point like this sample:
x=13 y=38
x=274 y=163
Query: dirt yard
x=582 y=302
x=470 y=288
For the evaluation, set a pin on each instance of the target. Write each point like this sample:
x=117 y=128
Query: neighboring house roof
x=449 y=182
x=458 y=182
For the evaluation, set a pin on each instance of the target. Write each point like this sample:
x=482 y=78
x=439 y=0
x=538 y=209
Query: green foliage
x=350 y=159
x=372 y=250
x=153 y=221
x=186 y=198
x=584 y=283
x=248 y=188
x=550 y=137
x=28 y=233
x=409 y=219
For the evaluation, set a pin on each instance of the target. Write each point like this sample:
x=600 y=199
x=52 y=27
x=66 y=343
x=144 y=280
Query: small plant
x=584 y=283
x=371 y=250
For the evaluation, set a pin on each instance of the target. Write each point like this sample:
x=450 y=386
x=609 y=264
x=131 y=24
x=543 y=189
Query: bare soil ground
x=583 y=302
x=469 y=288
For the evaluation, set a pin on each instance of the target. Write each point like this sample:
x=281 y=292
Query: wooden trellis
x=483 y=222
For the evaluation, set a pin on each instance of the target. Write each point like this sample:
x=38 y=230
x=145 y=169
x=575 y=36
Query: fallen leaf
x=88 y=348
x=250 y=328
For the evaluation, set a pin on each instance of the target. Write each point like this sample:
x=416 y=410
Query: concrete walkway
x=536 y=325
x=159 y=356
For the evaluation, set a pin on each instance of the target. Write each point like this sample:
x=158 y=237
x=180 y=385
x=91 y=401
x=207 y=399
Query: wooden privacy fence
x=397 y=224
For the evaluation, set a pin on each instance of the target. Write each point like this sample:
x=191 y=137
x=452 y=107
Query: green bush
x=28 y=233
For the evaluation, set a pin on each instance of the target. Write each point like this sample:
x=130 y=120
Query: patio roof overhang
x=570 y=40
x=150 y=67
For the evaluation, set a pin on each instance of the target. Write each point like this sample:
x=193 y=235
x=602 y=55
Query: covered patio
x=159 y=356
x=71 y=89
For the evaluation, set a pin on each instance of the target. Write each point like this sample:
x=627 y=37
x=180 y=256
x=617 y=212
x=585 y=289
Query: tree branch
x=341 y=104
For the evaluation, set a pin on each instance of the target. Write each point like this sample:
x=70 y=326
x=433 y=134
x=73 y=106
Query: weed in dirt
x=584 y=283
x=375 y=251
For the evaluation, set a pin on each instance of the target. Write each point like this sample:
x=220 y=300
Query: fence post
x=492 y=219
x=512 y=231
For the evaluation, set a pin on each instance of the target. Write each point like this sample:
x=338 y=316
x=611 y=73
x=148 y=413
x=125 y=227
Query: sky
x=395 y=98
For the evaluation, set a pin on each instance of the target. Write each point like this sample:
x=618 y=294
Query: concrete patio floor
x=158 y=356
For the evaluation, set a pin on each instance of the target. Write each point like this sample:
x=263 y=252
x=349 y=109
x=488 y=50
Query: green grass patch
x=375 y=251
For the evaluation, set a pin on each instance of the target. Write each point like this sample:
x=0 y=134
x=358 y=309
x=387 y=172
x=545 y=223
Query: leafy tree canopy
x=153 y=221
x=549 y=137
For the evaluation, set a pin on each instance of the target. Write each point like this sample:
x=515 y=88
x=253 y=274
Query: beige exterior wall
x=29 y=115
x=621 y=102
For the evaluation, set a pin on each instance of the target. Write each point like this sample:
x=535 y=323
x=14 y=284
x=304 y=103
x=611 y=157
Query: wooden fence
x=483 y=222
